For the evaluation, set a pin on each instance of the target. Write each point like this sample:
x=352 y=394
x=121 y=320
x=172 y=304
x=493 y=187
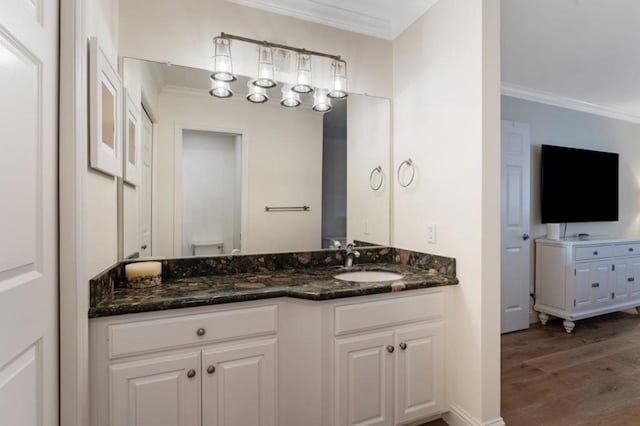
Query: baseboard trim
x=457 y=416
x=548 y=98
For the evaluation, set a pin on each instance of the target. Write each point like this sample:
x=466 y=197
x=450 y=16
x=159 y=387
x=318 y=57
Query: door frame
x=73 y=160
x=179 y=129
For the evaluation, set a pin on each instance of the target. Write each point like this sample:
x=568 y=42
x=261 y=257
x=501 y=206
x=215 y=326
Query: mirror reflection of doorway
x=211 y=193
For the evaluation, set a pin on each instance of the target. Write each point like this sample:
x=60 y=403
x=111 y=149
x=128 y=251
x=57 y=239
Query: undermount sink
x=368 y=276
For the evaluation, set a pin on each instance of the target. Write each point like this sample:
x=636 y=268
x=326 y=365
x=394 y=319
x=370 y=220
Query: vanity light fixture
x=223 y=66
x=220 y=89
x=339 y=75
x=223 y=74
x=257 y=95
x=290 y=99
x=321 y=102
x=303 y=74
x=266 y=75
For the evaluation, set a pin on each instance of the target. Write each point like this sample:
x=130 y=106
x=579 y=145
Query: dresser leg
x=543 y=318
x=569 y=325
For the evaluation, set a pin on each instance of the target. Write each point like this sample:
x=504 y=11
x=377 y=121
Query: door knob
x=525 y=236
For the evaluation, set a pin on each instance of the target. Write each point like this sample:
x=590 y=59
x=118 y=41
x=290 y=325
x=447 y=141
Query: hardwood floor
x=590 y=377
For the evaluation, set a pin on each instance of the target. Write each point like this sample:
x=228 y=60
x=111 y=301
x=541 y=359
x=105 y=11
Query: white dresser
x=577 y=279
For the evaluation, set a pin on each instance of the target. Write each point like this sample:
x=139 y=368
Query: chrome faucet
x=349 y=254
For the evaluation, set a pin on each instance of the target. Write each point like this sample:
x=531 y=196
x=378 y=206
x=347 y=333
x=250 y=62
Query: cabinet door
x=601 y=283
x=581 y=288
x=363 y=380
x=418 y=372
x=622 y=274
x=156 y=392
x=633 y=277
x=592 y=286
x=239 y=385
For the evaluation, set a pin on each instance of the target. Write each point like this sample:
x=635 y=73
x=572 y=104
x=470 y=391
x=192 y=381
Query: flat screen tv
x=578 y=185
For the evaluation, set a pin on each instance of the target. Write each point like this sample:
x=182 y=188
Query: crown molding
x=549 y=98
x=319 y=13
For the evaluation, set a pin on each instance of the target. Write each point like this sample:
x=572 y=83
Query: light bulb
x=220 y=89
x=339 y=74
x=303 y=78
x=266 y=74
x=290 y=99
x=256 y=94
x=222 y=67
x=321 y=101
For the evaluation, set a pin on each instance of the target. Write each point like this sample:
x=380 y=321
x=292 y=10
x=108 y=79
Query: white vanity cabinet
x=390 y=374
x=366 y=360
x=578 y=279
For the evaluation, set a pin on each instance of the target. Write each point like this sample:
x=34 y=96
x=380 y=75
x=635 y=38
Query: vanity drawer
x=165 y=333
x=385 y=313
x=593 y=252
x=629 y=249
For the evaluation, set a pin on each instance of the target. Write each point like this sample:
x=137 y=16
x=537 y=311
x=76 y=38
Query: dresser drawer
x=384 y=313
x=593 y=252
x=629 y=249
x=165 y=333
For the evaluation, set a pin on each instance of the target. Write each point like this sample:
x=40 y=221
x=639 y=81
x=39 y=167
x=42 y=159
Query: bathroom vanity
x=291 y=346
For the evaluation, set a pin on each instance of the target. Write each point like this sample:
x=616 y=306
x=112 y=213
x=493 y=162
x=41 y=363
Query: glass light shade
x=266 y=74
x=222 y=65
x=339 y=74
x=290 y=99
x=321 y=101
x=303 y=78
x=257 y=95
x=220 y=89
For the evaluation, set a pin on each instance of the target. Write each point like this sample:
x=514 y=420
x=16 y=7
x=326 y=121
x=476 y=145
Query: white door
x=28 y=217
x=156 y=392
x=418 y=372
x=622 y=279
x=146 y=185
x=634 y=276
x=601 y=283
x=239 y=385
x=515 y=241
x=582 y=286
x=364 y=380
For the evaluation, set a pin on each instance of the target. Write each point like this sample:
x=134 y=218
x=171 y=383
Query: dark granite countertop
x=302 y=283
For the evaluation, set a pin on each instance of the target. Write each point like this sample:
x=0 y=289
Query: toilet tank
x=207 y=248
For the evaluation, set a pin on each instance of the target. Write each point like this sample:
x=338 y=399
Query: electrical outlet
x=431 y=233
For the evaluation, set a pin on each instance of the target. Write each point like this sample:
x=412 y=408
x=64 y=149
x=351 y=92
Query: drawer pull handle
x=594 y=285
x=631 y=279
x=595 y=253
x=390 y=349
x=211 y=369
x=403 y=346
x=191 y=373
x=201 y=331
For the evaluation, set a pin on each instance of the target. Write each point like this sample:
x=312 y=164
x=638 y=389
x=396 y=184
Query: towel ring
x=376 y=170
x=409 y=163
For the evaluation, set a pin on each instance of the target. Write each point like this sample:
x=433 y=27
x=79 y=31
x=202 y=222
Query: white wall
x=283 y=167
x=209 y=190
x=552 y=125
x=367 y=148
x=446 y=118
x=181 y=32
x=101 y=227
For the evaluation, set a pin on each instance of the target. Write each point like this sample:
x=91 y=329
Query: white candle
x=143 y=269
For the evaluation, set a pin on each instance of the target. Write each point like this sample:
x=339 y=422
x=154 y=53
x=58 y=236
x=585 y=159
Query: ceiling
x=378 y=18
x=585 y=50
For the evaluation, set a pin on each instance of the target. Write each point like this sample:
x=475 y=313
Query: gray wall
x=559 y=126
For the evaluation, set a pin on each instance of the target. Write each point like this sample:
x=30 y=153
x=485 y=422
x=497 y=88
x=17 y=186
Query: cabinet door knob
x=211 y=369
x=144 y=247
x=595 y=253
x=191 y=373
x=403 y=346
x=594 y=285
x=525 y=236
x=201 y=331
x=390 y=349
x=631 y=249
x=631 y=279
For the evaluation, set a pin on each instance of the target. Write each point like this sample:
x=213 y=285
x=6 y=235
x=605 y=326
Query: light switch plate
x=431 y=233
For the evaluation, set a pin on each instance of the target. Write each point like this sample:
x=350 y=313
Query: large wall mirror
x=222 y=176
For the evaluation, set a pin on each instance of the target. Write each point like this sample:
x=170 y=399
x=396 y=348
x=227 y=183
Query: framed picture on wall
x=105 y=113
x=132 y=140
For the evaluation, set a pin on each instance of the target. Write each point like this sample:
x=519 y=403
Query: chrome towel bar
x=287 y=209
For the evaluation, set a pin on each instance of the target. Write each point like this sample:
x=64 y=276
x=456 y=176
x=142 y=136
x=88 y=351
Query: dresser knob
x=201 y=331
x=631 y=249
x=390 y=349
x=403 y=346
x=211 y=369
x=631 y=279
x=191 y=373
x=595 y=253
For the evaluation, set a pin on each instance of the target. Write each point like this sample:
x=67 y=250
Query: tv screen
x=578 y=185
